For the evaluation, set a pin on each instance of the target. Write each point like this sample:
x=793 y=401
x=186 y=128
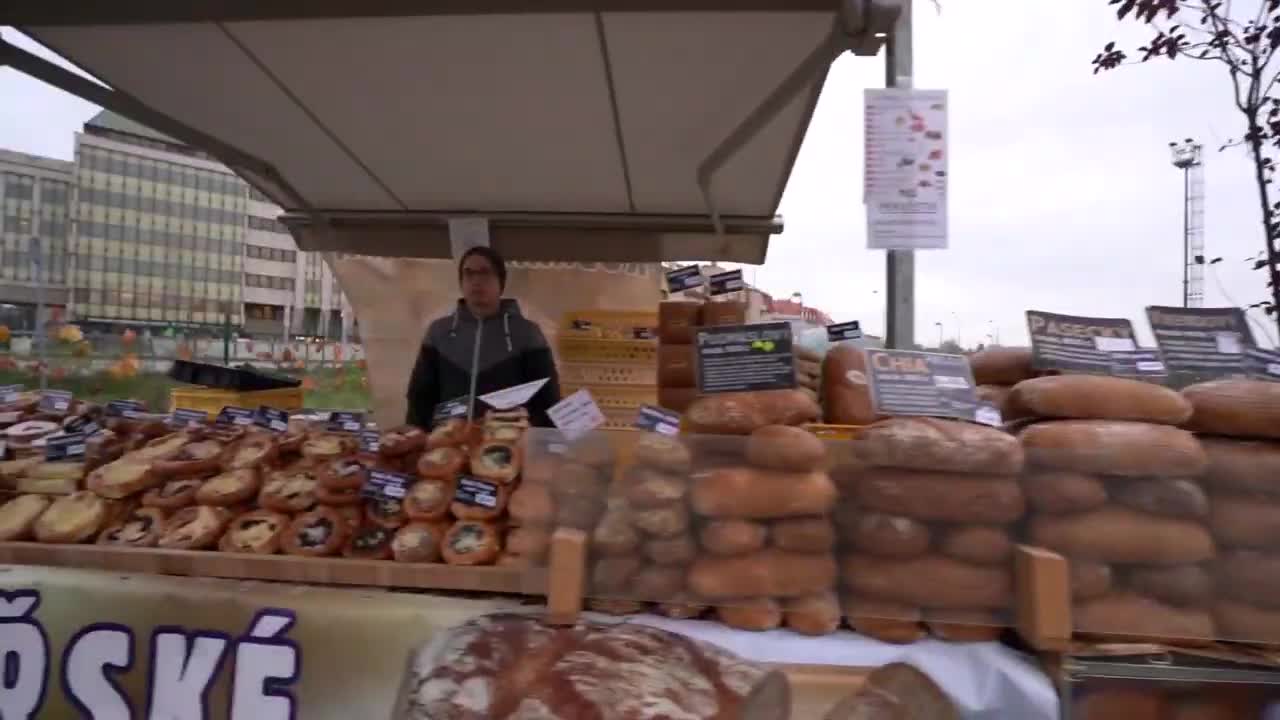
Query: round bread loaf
x=1098 y=397
x=780 y=447
x=1114 y=447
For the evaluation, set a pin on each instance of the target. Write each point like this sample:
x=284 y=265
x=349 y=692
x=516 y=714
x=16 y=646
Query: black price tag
x=476 y=492
x=83 y=425
x=125 y=408
x=346 y=422
x=1264 y=364
x=370 y=441
x=10 y=393
x=273 y=419
x=642 y=333
x=1206 y=343
x=449 y=409
x=232 y=415
x=55 y=401
x=684 y=278
x=383 y=485
x=581 y=324
x=1101 y=346
x=838 y=332
x=183 y=417
x=726 y=282
x=65 y=447
x=658 y=420
x=907 y=382
x=745 y=358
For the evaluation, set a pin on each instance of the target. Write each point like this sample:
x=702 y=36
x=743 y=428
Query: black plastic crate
x=245 y=379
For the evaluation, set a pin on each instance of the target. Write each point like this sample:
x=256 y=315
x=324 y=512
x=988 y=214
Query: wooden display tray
x=280 y=568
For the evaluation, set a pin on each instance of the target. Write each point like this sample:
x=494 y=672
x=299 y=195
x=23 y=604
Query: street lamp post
x=939 y=334
x=41 y=330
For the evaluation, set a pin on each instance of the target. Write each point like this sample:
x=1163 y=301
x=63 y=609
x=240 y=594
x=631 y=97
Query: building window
x=19 y=187
x=267 y=225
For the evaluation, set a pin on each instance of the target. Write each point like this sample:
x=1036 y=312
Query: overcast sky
x=1062 y=196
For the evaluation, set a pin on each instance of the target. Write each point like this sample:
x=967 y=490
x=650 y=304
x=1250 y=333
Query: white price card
x=513 y=396
x=1228 y=343
x=576 y=415
x=988 y=415
x=1114 y=344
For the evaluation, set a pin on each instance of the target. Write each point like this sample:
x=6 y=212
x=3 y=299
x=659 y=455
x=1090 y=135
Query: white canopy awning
x=623 y=130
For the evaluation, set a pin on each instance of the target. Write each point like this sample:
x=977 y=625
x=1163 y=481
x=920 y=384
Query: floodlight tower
x=1187 y=157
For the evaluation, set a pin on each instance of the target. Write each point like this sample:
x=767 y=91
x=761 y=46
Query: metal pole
x=226 y=335
x=900 y=265
x=41 y=330
x=1186 y=236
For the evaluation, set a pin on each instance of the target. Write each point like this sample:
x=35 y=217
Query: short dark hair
x=495 y=261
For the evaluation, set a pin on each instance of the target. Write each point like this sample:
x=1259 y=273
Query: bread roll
x=1089 y=579
x=942 y=497
x=662 y=452
x=665 y=522
x=615 y=534
x=1114 y=447
x=1117 y=535
x=577 y=480
x=789 y=449
x=677 y=365
x=1063 y=491
x=1243 y=465
x=931 y=581
x=1129 y=616
x=1001 y=365
x=1245 y=521
x=660 y=583
x=1179 y=585
x=680 y=550
x=940 y=445
x=882 y=535
x=680 y=610
x=845 y=385
x=884 y=621
x=977 y=544
x=804 y=534
x=1246 y=623
x=1235 y=407
x=965 y=626
x=768 y=573
x=1167 y=497
x=677 y=319
x=593 y=450
x=753 y=494
x=580 y=513
x=1098 y=397
x=813 y=614
x=528 y=542
x=614 y=606
x=758 y=614
x=1249 y=576
x=733 y=537
x=531 y=505
x=645 y=487
x=615 y=574
x=744 y=413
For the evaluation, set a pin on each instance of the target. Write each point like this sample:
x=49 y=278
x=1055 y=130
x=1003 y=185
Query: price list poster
x=905 y=169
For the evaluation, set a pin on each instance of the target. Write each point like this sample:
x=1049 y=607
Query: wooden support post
x=1043 y=591
x=567 y=581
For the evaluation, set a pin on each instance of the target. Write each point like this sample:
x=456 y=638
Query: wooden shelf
x=281 y=568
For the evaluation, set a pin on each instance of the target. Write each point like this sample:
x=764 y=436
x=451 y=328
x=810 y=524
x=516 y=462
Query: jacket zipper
x=475 y=364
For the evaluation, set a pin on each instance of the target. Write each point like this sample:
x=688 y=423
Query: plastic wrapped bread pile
x=1238 y=423
x=926 y=528
x=1114 y=486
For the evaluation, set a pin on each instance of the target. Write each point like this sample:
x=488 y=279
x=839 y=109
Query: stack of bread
x=677 y=368
x=1239 y=426
x=926 y=529
x=996 y=370
x=1113 y=484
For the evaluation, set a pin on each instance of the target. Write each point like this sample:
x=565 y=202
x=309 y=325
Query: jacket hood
x=506 y=306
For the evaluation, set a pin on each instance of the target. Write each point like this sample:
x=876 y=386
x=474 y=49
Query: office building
x=35 y=201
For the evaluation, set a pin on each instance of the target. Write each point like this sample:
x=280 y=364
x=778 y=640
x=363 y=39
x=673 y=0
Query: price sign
x=1202 y=343
x=684 y=278
x=370 y=441
x=83 y=425
x=346 y=422
x=55 y=401
x=10 y=393
x=449 y=409
x=1101 y=346
x=125 y=408
x=184 y=417
x=273 y=419
x=906 y=382
x=745 y=358
x=840 y=332
x=384 y=485
x=65 y=447
x=576 y=415
x=658 y=420
x=231 y=415
x=476 y=492
x=726 y=282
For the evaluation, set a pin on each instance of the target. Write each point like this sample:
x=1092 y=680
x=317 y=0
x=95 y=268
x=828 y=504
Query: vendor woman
x=484 y=345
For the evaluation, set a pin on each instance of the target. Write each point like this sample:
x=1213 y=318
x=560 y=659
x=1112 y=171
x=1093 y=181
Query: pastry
x=316 y=533
x=370 y=542
x=165 y=447
x=471 y=542
x=453 y=432
x=326 y=446
x=429 y=499
x=661 y=452
x=495 y=461
x=515 y=416
x=647 y=488
x=257 y=532
x=25 y=433
x=342 y=474
x=476 y=499
x=441 y=462
x=196 y=458
x=19 y=515
x=172 y=495
x=252 y=451
x=528 y=542
x=230 y=488
x=122 y=478
x=340 y=496
x=352 y=514
x=194 y=528
x=139 y=528
x=290 y=443
x=401 y=441
x=289 y=491
x=11 y=470
x=531 y=504
x=417 y=542
x=387 y=512
x=503 y=433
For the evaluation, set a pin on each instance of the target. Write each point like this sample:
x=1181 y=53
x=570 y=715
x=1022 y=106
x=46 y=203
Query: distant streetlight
x=939 y=334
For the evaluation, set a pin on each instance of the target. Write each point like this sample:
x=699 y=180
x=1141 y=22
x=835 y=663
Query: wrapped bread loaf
x=1114 y=447
x=847 y=392
x=744 y=413
x=939 y=445
x=1094 y=397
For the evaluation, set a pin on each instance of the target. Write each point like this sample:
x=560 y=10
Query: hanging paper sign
x=514 y=396
x=576 y=415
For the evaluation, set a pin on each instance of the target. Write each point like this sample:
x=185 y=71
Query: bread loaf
x=1118 y=535
x=751 y=494
x=677 y=365
x=1129 y=616
x=803 y=534
x=1136 y=703
x=931 y=581
x=1234 y=407
x=813 y=614
x=965 y=626
x=1249 y=576
x=531 y=504
x=1114 y=447
x=977 y=544
x=659 y=583
x=768 y=573
x=1063 y=491
x=1089 y=579
x=1098 y=397
x=664 y=522
x=677 y=319
x=744 y=413
x=525 y=668
x=941 y=445
x=677 y=399
x=1001 y=365
x=891 y=536
x=661 y=452
x=942 y=497
x=1245 y=521
x=1179 y=585
x=733 y=537
x=614 y=574
x=1246 y=623
x=997 y=396
x=1244 y=465
x=678 y=551
x=896 y=691
x=756 y=614
x=883 y=620
x=614 y=606
x=1168 y=497
x=791 y=449
x=846 y=389
x=615 y=534
x=645 y=487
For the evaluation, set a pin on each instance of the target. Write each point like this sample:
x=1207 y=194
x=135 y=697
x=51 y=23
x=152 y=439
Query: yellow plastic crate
x=572 y=373
x=608 y=324
x=212 y=400
x=593 y=350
